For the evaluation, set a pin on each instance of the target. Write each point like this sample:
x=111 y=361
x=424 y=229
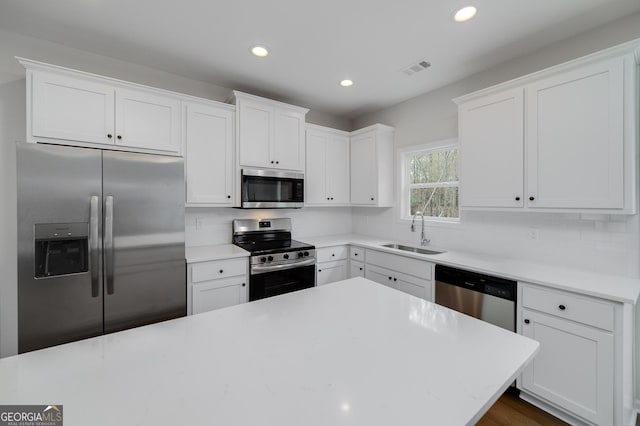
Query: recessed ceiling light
x=465 y=13
x=346 y=83
x=259 y=51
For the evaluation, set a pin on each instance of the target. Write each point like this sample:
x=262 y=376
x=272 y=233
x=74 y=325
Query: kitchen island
x=352 y=352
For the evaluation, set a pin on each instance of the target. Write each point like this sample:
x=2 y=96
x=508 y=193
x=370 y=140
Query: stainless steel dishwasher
x=490 y=299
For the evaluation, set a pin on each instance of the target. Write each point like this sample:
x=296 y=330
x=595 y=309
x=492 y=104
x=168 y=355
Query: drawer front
x=356 y=253
x=405 y=283
x=331 y=254
x=415 y=267
x=207 y=271
x=570 y=306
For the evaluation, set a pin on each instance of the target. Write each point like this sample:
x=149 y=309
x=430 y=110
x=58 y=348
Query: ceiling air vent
x=416 y=67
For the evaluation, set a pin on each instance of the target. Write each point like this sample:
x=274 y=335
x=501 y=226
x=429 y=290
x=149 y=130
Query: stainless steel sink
x=411 y=249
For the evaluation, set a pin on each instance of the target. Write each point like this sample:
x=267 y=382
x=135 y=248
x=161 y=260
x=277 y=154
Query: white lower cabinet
x=331 y=264
x=416 y=277
x=217 y=284
x=579 y=368
x=329 y=272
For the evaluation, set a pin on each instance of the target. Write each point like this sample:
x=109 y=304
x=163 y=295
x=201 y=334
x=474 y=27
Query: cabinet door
x=209 y=155
x=574 y=367
x=491 y=151
x=288 y=143
x=363 y=169
x=255 y=133
x=216 y=294
x=575 y=139
x=356 y=269
x=378 y=275
x=315 y=177
x=330 y=272
x=71 y=109
x=147 y=120
x=337 y=169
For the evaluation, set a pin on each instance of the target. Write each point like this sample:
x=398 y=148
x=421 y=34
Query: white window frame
x=405 y=186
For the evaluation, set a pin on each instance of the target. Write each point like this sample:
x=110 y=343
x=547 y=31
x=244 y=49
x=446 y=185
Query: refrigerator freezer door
x=145 y=271
x=59 y=241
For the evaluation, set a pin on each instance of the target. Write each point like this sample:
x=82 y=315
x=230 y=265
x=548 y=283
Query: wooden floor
x=510 y=410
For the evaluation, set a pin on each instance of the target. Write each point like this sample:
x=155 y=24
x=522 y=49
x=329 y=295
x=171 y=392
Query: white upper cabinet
x=270 y=134
x=492 y=130
x=209 y=145
x=372 y=166
x=69 y=109
x=327 y=169
x=77 y=108
x=575 y=138
x=560 y=140
x=147 y=120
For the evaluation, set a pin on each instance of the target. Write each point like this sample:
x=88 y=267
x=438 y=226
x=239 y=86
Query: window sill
x=434 y=223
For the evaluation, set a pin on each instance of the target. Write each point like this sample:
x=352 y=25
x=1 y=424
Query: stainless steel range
x=278 y=264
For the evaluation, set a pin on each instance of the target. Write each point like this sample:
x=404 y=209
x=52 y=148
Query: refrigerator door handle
x=93 y=247
x=108 y=242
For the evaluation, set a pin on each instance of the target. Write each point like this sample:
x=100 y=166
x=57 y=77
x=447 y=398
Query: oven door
x=280 y=281
x=272 y=189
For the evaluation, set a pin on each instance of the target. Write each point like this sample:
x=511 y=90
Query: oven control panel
x=280 y=258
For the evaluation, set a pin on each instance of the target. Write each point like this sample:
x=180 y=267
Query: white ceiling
x=313 y=45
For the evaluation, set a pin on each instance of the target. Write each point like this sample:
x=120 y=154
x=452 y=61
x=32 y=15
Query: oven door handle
x=257 y=269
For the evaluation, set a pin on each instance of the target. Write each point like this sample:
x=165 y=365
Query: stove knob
x=270 y=258
x=286 y=256
x=263 y=259
x=300 y=254
x=306 y=253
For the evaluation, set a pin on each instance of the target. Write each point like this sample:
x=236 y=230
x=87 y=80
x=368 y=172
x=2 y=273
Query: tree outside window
x=430 y=183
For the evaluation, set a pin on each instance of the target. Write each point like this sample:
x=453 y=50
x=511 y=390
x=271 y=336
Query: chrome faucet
x=423 y=240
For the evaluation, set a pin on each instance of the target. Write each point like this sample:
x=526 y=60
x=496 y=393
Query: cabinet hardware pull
x=562 y=307
x=355 y=254
x=119 y=136
x=244 y=284
x=277 y=162
x=272 y=162
x=517 y=198
x=228 y=196
x=221 y=271
x=371 y=198
x=333 y=254
x=109 y=135
x=527 y=321
x=389 y=277
x=532 y=198
x=327 y=198
x=361 y=269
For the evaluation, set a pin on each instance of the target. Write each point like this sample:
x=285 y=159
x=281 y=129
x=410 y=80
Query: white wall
x=214 y=224
x=12 y=125
x=608 y=244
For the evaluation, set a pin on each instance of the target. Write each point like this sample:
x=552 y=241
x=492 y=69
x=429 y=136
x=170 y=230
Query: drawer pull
x=527 y=321
x=562 y=307
x=361 y=269
x=395 y=279
x=244 y=284
x=355 y=254
x=333 y=255
x=221 y=271
x=389 y=278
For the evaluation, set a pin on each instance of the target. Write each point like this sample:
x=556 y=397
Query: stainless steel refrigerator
x=100 y=242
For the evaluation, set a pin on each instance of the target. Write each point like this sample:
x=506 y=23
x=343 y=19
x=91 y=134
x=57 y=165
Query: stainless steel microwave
x=271 y=189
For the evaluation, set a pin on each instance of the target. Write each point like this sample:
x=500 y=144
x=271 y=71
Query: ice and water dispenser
x=61 y=249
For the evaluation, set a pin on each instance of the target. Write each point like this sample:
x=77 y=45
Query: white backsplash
x=210 y=226
x=599 y=243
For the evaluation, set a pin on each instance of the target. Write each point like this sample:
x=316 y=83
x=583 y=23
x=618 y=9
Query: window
x=430 y=181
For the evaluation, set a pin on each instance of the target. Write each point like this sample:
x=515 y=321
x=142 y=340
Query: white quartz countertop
x=348 y=353
x=218 y=252
x=611 y=287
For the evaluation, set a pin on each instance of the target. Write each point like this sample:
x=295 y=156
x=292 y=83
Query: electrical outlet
x=534 y=233
x=199 y=222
